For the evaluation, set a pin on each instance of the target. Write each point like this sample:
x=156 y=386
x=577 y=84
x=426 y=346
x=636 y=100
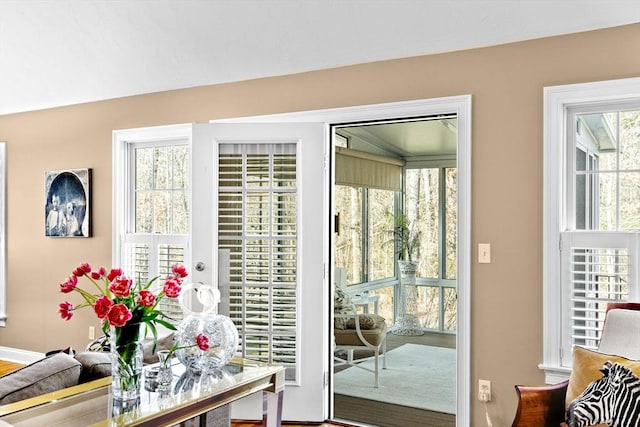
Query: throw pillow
x=367 y=321
x=164 y=343
x=341 y=304
x=44 y=376
x=95 y=364
x=586 y=369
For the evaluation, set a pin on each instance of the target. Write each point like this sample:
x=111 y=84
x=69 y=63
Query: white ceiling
x=61 y=52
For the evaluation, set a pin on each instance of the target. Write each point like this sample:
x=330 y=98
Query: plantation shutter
x=257 y=224
x=147 y=256
x=598 y=267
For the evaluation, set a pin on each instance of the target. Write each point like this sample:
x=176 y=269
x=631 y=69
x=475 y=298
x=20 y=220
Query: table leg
x=272 y=408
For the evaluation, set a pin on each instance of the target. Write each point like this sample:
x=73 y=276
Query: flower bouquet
x=125 y=309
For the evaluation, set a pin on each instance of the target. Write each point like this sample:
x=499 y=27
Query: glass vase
x=223 y=341
x=165 y=374
x=126 y=361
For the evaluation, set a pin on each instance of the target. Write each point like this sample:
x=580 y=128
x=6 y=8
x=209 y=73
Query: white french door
x=258 y=197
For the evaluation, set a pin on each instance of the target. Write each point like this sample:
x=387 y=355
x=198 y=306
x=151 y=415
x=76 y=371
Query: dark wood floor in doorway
x=376 y=413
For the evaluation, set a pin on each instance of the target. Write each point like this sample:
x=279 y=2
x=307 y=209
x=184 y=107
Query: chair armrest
x=541 y=405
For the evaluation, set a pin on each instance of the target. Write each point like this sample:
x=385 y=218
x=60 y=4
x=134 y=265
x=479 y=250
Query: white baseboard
x=16 y=355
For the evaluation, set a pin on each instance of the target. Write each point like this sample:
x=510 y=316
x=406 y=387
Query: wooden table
x=91 y=404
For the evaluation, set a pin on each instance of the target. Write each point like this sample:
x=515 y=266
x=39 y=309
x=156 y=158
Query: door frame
x=461 y=106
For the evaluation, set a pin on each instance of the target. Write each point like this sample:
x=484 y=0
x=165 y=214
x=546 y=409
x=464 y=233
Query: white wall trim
x=557 y=99
x=3 y=232
x=17 y=355
x=461 y=106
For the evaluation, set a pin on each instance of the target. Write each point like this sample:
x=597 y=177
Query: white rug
x=418 y=376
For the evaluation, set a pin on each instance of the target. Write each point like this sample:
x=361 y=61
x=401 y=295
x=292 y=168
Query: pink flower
x=180 y=271
x=146 y=298
x=172 y=288
x=82 y=269
x=69 y=284
x=102 y=306
x=203 y=342
x=98 y=274
x=66 y=310
x=115 y=272
x=121 y=286
x=119 y=315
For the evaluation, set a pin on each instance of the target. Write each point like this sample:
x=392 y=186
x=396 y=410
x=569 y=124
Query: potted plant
x=406 y=237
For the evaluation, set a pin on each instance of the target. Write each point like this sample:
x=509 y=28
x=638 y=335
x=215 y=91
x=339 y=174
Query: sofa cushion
x=44 y=376
x=164 y=343
x=95 y=364
x=366 y=321
x=586 y=369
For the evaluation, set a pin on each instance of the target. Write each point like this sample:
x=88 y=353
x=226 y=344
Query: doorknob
x=200 y=266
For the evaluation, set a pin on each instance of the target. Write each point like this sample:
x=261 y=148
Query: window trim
x=3 y=232
x=122 y=140
x=557 y=101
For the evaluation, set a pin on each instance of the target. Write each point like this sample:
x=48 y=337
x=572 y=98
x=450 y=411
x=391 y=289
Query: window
x=592 y=196
x=257 y=224
x=363 y=236
x=431 y=198
x=154 y=231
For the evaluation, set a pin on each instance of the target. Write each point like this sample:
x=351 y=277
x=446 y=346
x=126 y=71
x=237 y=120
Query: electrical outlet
x=484 y=390
x=92 y=332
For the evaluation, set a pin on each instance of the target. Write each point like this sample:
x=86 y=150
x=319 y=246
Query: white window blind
x=600 y=269
x=257 y=223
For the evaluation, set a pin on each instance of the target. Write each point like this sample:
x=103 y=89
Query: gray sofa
x=62 y=370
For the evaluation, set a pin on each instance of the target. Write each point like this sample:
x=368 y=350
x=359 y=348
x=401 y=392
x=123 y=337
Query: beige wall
x=507 y=87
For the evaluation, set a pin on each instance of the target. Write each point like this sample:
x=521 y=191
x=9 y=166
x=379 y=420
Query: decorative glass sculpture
x=220 y=331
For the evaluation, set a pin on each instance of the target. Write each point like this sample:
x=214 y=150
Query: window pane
x=348 y=239
x=381 y=259
x=429 y=306
x=451 y=223
x=422 y=201
x=607 y=202
x=161 y=192
x=450 y=309
x=607 y=177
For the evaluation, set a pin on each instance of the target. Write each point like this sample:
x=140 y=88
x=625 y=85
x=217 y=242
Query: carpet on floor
x=418 y=376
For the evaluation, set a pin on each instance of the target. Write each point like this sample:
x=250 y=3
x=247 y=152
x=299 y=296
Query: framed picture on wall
x=67 y=210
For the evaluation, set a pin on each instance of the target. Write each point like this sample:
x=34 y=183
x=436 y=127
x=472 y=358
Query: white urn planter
x=407 y=321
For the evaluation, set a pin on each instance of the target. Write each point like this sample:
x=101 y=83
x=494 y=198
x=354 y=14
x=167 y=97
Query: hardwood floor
x=7 y=367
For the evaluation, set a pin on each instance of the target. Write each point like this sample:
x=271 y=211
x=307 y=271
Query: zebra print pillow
x=586 y=369
x=611 y=400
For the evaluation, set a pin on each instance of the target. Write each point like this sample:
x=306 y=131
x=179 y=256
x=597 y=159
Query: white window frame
x=3 y=232
x=123 y=208
x=557 y=101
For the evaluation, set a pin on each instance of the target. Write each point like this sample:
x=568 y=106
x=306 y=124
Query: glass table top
x=191 y=394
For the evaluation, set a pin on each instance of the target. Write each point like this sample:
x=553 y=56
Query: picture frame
x=67 y=211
